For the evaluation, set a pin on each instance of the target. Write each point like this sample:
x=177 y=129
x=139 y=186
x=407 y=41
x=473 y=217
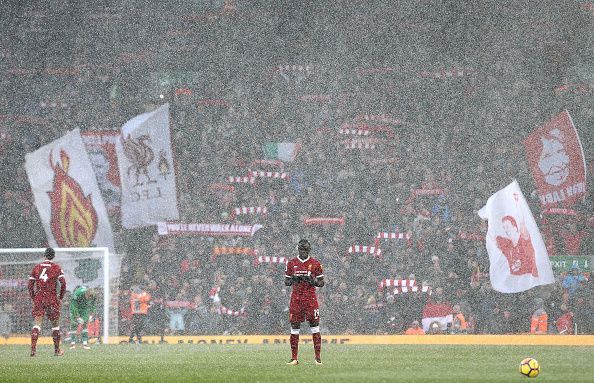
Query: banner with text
x=206 y=229
x=556 y=158
x=563 y=263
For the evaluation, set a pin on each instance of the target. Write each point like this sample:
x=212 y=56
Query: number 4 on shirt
x=43 y=276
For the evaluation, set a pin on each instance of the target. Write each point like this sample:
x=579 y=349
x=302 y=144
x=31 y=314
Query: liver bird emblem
x=141 y=155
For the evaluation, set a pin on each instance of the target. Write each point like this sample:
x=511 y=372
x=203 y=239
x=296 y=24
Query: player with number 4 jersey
x=44 y=281
x=304 y=273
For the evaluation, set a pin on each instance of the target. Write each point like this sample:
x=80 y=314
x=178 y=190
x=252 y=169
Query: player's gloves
x=80 y=321
x=296 y=278
x=309 y=279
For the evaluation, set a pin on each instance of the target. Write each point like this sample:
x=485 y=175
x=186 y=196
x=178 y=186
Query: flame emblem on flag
x=73 y=218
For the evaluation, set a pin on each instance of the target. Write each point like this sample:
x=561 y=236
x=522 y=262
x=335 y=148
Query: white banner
x=68 y=199
x=207 y=229
x=145 y=160
x=517 y=253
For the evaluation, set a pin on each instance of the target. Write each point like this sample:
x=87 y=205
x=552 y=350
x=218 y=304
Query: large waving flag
x=517 y=253
x=145 y=159
x=69 y=203
x=67 y=195
x=556 y=158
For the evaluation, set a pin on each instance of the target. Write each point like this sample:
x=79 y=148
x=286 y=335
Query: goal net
x=91 y=267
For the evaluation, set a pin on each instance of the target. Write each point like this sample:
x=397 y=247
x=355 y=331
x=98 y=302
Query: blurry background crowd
x=447 y=90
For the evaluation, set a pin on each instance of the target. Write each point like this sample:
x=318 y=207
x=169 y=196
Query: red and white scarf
x=267 y=259
x=358 y=145
x=262 y=210
x=403 y=286
x=386 y=235
x=263 y=174
x=230 y=312
x=353 y=131
x=373 y=250
x=382 y=118
x=413 y=289
x=362 y=129
x=397 y=283
x=323 y=221
x=242 y=180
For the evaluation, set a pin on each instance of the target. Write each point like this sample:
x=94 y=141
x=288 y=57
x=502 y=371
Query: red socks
x=294 y=345
x=34 y=337
x=317 y=341
x=56 y=338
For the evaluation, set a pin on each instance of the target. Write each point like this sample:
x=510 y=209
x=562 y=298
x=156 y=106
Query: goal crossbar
x=105 y=252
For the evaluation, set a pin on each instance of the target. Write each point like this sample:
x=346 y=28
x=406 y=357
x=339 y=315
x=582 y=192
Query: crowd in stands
x=445 y=127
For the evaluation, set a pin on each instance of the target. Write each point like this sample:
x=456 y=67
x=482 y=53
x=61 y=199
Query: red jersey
x=565 y=323
x=520 y=258
x=43 y=282
x=303 y=290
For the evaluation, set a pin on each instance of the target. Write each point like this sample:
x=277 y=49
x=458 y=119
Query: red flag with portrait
x=556 y=158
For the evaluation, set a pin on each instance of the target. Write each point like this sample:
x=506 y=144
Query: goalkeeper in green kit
x=82 y=305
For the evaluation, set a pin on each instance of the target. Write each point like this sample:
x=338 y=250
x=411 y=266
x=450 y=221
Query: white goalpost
x=92 y=267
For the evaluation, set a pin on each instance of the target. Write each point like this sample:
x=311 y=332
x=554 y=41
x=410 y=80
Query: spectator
x=564 y=323
x=572 y=280
x=414 y=329
x=539 y=322
x=459 y=325
x=139 y=304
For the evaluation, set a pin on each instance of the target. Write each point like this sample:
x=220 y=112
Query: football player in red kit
x=43 y=289
x=304 y=274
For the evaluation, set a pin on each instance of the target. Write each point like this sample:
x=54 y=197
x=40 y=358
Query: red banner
x=323 y=221
x=556 y=158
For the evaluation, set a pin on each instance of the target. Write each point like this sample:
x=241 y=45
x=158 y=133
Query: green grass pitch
x=266 y=363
